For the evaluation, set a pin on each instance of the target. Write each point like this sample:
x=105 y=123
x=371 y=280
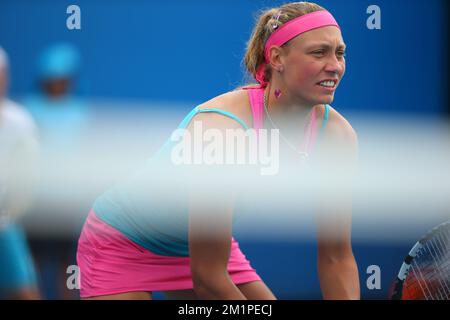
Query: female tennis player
x=140 y=237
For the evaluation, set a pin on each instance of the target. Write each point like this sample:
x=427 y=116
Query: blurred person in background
x=62 y=120
x=18 y=157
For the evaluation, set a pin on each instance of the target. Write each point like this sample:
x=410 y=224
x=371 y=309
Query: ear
x=276 y=55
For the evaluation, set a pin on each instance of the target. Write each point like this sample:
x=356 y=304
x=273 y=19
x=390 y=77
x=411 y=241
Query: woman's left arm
x=337 y=268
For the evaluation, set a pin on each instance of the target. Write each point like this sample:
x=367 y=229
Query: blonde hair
x=268 y=21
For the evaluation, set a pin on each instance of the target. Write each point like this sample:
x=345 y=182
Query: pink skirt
x=110 y=263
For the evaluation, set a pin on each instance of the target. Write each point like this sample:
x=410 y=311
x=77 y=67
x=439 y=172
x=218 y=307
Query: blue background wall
x=189 y=51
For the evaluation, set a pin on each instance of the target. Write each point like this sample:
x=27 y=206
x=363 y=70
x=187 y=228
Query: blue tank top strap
x=325 y=118
x=188 y=118
x=227 y=114
x=185 y=122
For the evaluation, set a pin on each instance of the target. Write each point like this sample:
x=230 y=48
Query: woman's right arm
x=210 y=223
x=210 y=226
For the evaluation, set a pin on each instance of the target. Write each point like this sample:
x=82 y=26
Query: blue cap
x=59 y=61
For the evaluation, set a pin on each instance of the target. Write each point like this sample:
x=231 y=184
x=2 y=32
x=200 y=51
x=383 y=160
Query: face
x=311 y=58
x=56 y=87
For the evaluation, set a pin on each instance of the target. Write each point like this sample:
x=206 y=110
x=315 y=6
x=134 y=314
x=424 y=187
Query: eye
x=341 y=54
x=318 y=53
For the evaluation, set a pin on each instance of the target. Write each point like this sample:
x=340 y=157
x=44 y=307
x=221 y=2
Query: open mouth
x=328 y=84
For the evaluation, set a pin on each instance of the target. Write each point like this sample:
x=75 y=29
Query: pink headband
x=290 y=30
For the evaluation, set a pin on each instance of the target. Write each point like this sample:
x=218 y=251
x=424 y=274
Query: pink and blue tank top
x=157 y=219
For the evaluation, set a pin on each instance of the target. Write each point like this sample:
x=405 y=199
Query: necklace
x=273 y=125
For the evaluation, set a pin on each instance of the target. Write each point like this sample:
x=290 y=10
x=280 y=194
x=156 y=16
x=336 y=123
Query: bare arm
x=337 y=268
x=210 y=228
x=210 y=225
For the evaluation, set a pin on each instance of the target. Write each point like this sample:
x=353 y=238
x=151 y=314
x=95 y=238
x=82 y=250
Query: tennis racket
x=425 y=272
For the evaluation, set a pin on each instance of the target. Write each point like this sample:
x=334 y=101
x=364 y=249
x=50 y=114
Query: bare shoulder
x=337 y=150
x=338 y=127
x=235 y=102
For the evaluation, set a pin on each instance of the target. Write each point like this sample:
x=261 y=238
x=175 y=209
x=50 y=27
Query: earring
x=277 y=93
